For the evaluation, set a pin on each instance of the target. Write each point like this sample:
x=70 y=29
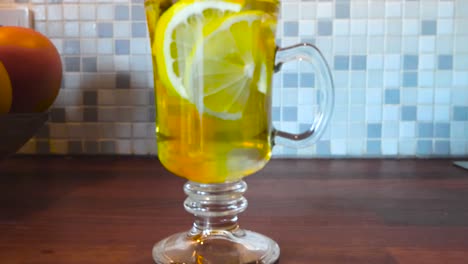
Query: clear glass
x=213 y=64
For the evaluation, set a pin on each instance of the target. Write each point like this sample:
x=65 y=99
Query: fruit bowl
x=17 y=129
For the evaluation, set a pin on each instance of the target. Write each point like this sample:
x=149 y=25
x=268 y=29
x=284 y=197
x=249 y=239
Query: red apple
x=34 y=67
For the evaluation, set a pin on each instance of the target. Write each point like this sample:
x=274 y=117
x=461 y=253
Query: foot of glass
x=215 y=237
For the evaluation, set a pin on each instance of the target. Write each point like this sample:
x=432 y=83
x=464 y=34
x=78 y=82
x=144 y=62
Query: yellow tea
x=213 y=63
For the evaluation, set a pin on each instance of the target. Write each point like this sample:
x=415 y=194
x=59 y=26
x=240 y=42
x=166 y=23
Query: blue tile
x=291 y=29
x=374 y=147
x=105 y=30
x=290 y=80
x=424 y=147
x=122 y=46
x=121 y=12
x=408 y=113
x=442 y=130
x=460 y=113
x=392 y=96
x=442 y=148
x=72 y=64
x=428 y=27
x=374 y=130
x=290 y=113
x=138 y=13
x=323 y=147
x=139 y=30
x=89 y=64
x=410 y=62
x=309 y=40
x=304 y=127
x=358 y=62
x=342 y=10
x=410 y=79
x=325 y=28
x=276 y=113
x=425 y=130
x=307 y=80
x=445 y=62
x=341 y=62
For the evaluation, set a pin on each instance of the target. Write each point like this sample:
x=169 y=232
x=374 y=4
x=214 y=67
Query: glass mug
x=213 y=64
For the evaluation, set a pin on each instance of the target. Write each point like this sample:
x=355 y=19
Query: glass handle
x=324 y=83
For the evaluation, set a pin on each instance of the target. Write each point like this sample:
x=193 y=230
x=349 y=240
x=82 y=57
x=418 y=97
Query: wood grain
x=113 y=209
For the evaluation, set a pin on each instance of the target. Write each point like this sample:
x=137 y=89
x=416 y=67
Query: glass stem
x=215 y=206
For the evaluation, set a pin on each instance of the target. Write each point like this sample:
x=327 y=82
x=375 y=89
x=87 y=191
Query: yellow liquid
x=206 y=148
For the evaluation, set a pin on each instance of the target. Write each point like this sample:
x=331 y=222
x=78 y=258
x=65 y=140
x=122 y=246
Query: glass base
x=215 y=237
x=218 y=247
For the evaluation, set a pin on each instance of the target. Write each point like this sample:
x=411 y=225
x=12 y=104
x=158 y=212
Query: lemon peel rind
x=176 y=15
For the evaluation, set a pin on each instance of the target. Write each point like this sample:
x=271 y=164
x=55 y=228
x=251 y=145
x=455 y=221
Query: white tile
x=374 y=113
x=427 y=44
x=139 y=63
x=460 y=44
x=373 y=96
x=71 y=29
x=425 y=96
x=394 y=27
x=88 y=29
x=410 y=27
x=392 y=62
x=87 y=12
x=393 y=9
x=446 y=9
x=392 y=78
x=442 y=96
x=71 y=12
x=324 y=10
x=390 y=147
x=139 y=46
x=409 y=96
x=39 y=12
x=143 y=146
x=123 y=29
x=444 y=44
x=407 y=147
x=427 y=62
x=376 y=27
x=441 y=113
x=341 y=27
x=105 y=46
x=410 y=44
x=359 y=45
x=308 y=10
x=428 y=10
x=426 y=79
x=289 y=11
x=391 y=113
x=122 y=63
x=376 y=9
x=375 y=62
x=123 y=146
x=358 y=27
x=54 y=12
x=105 y=63
x=356 y=147
x=88 y=46
x=359 y=9
x=338 y=147
x=105 y=12
x=407 y=129
x=123 y=130
x=445 y=26
x=425 y=112
x=411 y=9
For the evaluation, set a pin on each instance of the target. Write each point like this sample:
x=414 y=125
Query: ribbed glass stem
x=215 y=206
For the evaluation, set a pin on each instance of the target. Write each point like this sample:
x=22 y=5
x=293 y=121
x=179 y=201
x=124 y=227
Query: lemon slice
x=178 y=29
x=225 y=66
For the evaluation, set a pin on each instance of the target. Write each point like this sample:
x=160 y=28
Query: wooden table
x=112 y=210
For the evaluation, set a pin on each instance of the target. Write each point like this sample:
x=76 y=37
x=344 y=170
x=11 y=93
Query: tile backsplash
x=400 y=69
